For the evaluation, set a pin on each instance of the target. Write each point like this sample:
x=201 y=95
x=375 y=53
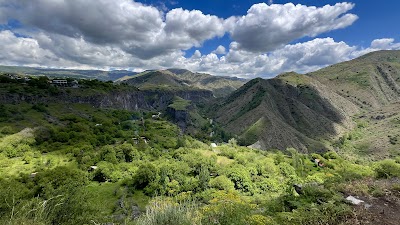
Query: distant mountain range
x=183 y=79
x=167 y=79
x=81 y=74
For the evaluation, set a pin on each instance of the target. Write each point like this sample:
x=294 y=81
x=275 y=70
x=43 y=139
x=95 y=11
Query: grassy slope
x=369 y=81
x=377 y=135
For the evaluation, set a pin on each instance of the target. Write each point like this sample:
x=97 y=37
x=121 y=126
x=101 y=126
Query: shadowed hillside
x=289 y=111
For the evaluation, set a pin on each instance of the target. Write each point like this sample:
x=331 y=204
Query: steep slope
x=303 y=111
x=370 y=81
x=292 y=110
x=377 y=135
x=181 y=78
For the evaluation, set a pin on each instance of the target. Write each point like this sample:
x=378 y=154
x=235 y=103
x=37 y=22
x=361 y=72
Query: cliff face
x=130 y=100
x=180 y=117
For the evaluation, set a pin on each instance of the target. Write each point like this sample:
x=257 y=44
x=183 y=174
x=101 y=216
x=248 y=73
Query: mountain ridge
x=305 y=111
x=182 y=78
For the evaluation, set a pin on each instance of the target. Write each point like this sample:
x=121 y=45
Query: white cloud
x=385 y=43
x=301 y=57
x=24 y=51
x=69 y=34
x=267 y=27
x=196 y=54
x=137 y=29
x=220 y=50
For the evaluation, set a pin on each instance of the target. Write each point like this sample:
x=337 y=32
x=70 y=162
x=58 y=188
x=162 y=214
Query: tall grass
x=35 y=212
x=167 y=212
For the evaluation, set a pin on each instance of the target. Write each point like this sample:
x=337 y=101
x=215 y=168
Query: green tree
x=145 y=174
x=222 y=183
x=108 y=154
x=204 y=178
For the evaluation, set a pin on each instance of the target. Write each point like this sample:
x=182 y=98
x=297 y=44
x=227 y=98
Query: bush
x=6 y=130
x=59 y=180
x=227 y=152
x=241 y=178
x=168 y=213
x=387 y=169
x=331 y=155
x=229 y=209
x=330 y=213
x=222 y=183
x=146 y=174
x=40 y=108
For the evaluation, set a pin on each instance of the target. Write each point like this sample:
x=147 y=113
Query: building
x=60 y=82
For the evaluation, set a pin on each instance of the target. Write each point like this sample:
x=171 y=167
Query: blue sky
x=221 y=37
x=376 y=19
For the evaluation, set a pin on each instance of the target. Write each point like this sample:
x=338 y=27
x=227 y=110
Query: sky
x=242 y=38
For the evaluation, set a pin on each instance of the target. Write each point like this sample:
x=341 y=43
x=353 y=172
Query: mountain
x=181 y=78
x=370 y=81
x=87 y=74
x=307 y=111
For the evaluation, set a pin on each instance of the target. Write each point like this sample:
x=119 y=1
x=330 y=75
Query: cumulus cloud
x=220 y=50
x=385 y=43
x=25 y=51
x=138 y=29
x=267 y=27
x=301 y=57
x=125 y=34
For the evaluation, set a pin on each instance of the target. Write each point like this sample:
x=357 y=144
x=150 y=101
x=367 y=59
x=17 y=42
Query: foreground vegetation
x=75 y=164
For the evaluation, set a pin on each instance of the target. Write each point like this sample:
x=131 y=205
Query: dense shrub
x=387 y=169
x=222 y=183
x=168 y=213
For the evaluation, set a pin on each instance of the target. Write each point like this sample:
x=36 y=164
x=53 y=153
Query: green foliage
x=204 y=177
x=17 y=144
x=59 y=180
x=146 y=174
x=229 y=208
x=179 y=104
x=387 y=169
x=222 y=183
x=241 y=178
x=97 y=164
x=168 y=213
x=40 y=107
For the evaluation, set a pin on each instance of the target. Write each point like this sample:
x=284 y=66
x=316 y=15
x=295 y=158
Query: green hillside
x=311 y=112
x=75 y=164
x=111 y=153
x=370 y=81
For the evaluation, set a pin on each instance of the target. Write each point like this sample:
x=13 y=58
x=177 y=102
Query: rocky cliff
x=120 y=99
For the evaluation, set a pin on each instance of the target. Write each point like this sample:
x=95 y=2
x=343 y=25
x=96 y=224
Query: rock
x=354 y=201
x=135 y=212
